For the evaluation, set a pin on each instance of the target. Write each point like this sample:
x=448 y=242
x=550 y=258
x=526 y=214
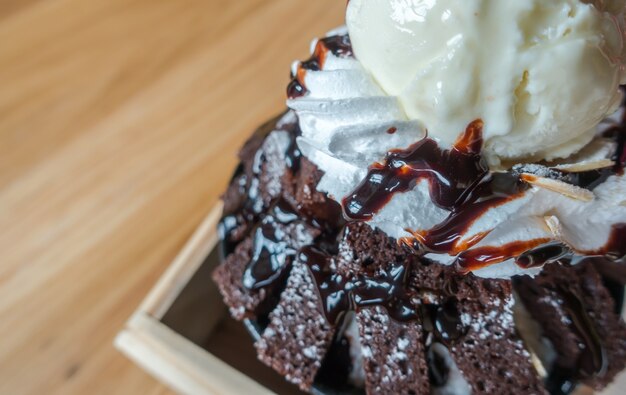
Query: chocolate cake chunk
x=268 y=162
x=576 y=314
x=298 y=335
x=364 y=247
x=260 y=230
x=470 y=316
x=229 y=279
x=275 y=176
x=393 y=353
x=490 y=355
x=313 y=203
x=448 y=281
x=252 y=278
x=243 y=191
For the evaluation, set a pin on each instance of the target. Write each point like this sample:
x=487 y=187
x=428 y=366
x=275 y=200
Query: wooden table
x=119 y=123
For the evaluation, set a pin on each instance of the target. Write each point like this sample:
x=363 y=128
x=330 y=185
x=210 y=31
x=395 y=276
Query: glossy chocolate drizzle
x=339 y=46
x=389 y=288
x=592 y=358
x=454 y=176
x=272 y=254
x=248 y=181
x=549 y=252
x=530 y=253
x=459 y=181
x=538 y=252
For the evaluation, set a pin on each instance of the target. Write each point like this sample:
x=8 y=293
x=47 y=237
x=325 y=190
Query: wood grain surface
x=119 y=123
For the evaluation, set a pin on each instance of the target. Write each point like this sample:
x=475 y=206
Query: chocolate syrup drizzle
x=539 y=252
x=389 y=288
x=549 y=252
x=453 y=175
x=592 y=359
x=339 y=46
x=459 y=181
x=272 y=253
x=251 y=204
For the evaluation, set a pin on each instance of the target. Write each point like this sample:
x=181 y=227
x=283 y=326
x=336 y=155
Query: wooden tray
x=183 y=336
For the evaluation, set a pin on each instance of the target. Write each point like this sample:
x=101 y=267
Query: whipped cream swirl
x=348 y=123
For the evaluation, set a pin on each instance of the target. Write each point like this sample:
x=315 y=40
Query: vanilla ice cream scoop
x=540 y=74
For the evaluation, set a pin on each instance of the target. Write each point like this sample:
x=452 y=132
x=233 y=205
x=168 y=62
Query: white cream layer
x=344 y=120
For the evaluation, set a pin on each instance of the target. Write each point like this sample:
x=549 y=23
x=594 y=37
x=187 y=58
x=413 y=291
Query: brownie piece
x=364 y=247
x=491 y=356
x=244 y=186
x=313 y=203
x=577 y=316
x=263 y=224
x=469 y=316
x=229 y=279
x=298 y=335
x=265 y=174
x=252 y=277
x=393 y=354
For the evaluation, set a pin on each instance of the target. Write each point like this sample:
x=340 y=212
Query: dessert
x=423 y=219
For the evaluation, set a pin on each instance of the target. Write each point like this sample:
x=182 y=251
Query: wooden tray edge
x=186 y=263
x=179 y=363
x=163 y=353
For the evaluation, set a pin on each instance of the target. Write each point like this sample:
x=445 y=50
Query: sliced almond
x=556 y=228
x=534 y=359
x=554 y=225
x=585 y=166
x=569 y=190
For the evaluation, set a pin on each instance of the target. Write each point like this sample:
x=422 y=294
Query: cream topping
x=345 y=120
